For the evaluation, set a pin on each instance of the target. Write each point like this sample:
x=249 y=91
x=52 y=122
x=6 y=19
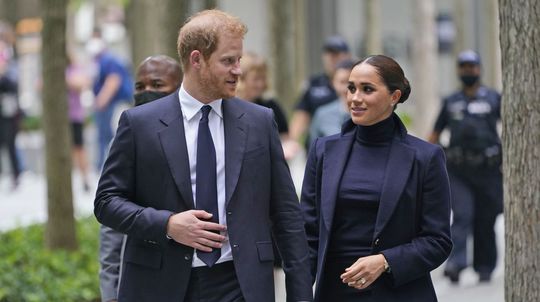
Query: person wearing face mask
x=474 y=166
x=113 y=85
x=156 y=77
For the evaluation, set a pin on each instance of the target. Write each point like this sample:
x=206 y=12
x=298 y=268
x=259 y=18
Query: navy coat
x=146 y=179
x=412 y=229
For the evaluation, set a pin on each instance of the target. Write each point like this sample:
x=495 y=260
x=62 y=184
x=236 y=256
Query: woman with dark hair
x=376 y=200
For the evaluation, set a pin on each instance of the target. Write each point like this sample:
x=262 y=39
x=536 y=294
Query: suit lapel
x=173 y=142
x=235 y=144
x=398 y=168
x=336 y=154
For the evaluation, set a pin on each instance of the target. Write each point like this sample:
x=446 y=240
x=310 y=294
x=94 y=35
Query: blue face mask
x=148 y=96
x=469 y=80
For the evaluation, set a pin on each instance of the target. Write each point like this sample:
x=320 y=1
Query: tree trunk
x=300 y=50
x=492 y=64
x=153 y=27
x=372 y=16
x=424 y=87
x=281 y=37
x=210 y=4
x=175 y=14
x=520 y=35
x=60 y=229
x=13 y=11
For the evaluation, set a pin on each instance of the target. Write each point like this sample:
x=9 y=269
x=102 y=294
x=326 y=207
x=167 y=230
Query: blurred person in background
x=156 y=77
x=376 y=200
x=78 y=80
x=474 y=161
x=252 y=85
x=319 y=90
x=10 y=112
x=113 y=85
x=330 y=117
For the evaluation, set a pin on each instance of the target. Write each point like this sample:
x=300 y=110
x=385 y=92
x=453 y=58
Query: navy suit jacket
x=412 y=229
x=146 y=179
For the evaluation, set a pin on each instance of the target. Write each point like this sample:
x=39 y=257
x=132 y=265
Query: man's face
x=156 y=76
x=219 y=74
x=469 y=69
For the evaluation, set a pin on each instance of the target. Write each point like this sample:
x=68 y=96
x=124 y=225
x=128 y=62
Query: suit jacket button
x=377 y=242
x=187 y=257
x=229 y=213
x=235 y=246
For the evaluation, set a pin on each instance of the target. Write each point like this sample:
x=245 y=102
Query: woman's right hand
x=364 y=271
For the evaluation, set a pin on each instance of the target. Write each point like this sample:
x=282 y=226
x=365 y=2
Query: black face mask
x=148 y=96
x=469 y=80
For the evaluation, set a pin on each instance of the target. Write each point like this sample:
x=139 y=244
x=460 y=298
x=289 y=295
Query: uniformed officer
x=474 y=159
x=319 y=90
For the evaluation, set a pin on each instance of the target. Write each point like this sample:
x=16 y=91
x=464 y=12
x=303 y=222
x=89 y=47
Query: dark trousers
x=8 y=133
x=476 y=203
x=214 y=284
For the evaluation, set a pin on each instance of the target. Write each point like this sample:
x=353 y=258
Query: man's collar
x=190 y=105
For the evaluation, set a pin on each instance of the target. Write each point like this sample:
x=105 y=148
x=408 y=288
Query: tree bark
x=373 y=27
x=300 y=50
x=153 y=27
x=14 y=11
x=281 y=35
x=519 y=36
x=424 y=91
x=60 y=228
x=176 y=13
x=210 y=4
x=492 y=65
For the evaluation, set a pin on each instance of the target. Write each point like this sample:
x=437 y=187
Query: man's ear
x=195 y=59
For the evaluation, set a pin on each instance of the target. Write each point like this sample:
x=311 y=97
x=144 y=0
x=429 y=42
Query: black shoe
x=484 y=277
x=452 y=274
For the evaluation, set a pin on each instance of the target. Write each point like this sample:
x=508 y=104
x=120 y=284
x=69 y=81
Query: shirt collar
x=191 y=106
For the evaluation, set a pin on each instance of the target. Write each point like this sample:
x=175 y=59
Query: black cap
x=468 y=56
x=336 y=44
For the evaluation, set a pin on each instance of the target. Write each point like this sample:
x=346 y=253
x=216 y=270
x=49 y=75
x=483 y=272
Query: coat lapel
x=398 y=168
x=173 y=142
x=336 y=154
x=235 y=144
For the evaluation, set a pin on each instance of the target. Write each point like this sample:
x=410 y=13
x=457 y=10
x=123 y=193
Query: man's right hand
x=190 y=228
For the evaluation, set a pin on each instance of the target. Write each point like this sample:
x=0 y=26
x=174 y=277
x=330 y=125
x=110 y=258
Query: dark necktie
x=206 y=184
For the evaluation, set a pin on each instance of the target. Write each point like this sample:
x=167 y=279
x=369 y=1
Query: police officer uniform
x=474 y=160
x=319 y=92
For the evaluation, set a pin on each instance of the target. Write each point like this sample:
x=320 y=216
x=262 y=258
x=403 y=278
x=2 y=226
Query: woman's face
x=368 y=98
x=254 y=84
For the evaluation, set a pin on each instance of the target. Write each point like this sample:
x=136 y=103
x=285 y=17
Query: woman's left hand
x=364 y=271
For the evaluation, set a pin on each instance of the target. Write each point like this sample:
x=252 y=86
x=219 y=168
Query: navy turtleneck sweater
x=360 y=189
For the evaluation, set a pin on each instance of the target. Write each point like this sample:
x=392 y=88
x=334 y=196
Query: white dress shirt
x=191 y=112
